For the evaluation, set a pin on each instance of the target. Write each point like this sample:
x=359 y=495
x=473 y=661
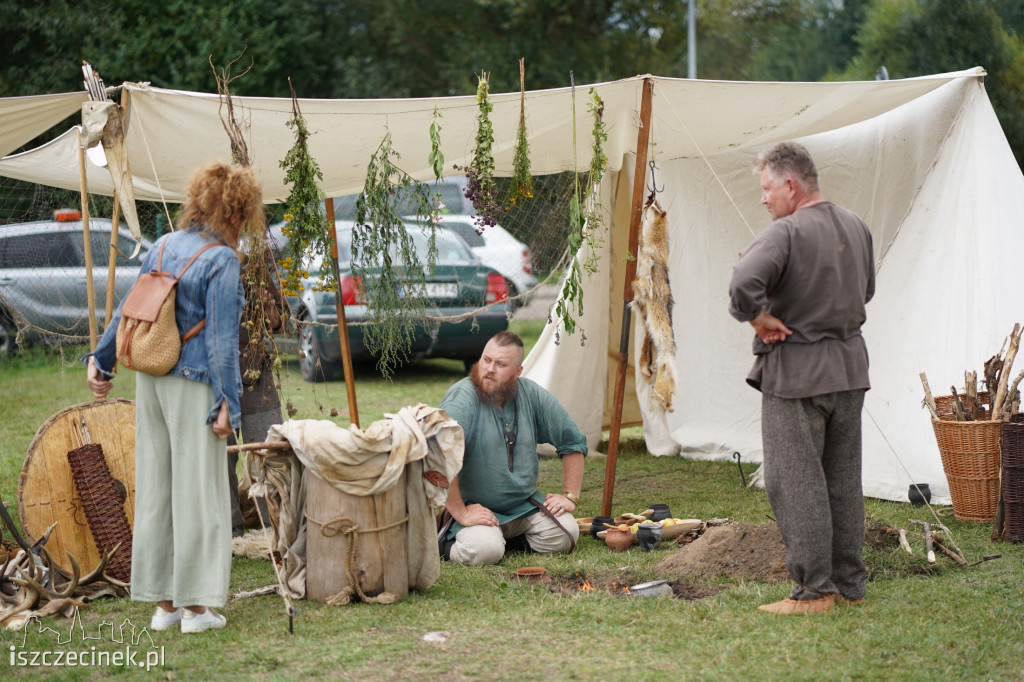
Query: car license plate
x=442 y=290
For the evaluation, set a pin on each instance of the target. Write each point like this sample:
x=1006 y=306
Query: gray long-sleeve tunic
x=815 y=271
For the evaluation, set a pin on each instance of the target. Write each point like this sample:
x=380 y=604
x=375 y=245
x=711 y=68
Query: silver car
x=42 y=278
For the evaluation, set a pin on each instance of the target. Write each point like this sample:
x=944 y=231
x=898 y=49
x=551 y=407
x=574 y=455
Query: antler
x=100 y=572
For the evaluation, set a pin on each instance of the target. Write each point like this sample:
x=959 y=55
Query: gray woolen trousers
x=812 y=474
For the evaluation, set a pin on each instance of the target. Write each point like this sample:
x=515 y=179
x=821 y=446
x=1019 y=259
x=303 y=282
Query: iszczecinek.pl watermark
x=44 y=647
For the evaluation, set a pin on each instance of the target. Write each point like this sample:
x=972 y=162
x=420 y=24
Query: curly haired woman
x=181 y=544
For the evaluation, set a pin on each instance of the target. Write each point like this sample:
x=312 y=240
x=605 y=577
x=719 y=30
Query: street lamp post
x=691 y=40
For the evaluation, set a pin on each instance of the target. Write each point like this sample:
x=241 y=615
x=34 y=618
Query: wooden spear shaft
x=636 y=208
x=87 y=243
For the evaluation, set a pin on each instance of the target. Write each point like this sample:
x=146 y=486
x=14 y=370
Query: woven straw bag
x=147 y=336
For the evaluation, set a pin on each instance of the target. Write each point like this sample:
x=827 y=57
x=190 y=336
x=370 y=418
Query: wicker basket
x=970 y=459
x=1013 y=478
x=103 y=506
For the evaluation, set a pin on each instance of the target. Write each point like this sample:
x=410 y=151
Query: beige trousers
x=484 y=545
x=181 y=543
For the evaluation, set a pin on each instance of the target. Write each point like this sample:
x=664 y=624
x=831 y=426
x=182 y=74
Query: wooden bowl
x=531 y=574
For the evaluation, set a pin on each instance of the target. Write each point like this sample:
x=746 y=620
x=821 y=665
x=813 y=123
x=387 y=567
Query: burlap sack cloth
x=360 y=462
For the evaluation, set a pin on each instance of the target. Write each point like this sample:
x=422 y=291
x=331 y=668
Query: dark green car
x=460 y=284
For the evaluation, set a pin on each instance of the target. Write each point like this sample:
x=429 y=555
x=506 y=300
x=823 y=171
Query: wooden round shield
x=46 y=489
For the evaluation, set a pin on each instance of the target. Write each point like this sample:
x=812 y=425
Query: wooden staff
x=339 y=307
x=89 y=289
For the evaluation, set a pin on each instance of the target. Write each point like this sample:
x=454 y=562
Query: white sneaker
x=163 y=620
x=199 y=622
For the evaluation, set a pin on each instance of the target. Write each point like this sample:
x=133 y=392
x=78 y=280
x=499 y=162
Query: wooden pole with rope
x=635 y=215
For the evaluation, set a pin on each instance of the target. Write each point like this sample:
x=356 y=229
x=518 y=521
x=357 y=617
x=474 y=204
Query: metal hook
x=653 y=188
x=743 y=477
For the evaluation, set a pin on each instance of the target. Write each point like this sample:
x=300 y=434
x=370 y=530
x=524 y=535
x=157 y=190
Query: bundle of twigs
x=1003 y=395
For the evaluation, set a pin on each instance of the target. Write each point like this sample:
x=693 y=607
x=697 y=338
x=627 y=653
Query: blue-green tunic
x=485 y=477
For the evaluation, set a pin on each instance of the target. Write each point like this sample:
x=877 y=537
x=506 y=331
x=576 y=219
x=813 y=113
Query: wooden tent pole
x=339 y=307
x=635 y=215
x=115 y=218
x=115 y=233
x=89 y=291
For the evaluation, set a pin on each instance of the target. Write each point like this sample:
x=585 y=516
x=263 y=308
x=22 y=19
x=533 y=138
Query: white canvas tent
x=923 y=160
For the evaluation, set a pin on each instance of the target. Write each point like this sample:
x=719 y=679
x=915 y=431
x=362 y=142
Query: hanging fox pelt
x=652 y=302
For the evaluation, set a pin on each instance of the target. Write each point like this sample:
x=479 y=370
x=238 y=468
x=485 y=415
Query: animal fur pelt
x=652 y=302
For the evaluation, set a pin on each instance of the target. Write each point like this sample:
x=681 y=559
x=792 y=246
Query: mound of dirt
x=736 y=550
x=743 y=550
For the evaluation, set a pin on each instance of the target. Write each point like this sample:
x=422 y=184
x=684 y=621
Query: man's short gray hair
x=789 y=158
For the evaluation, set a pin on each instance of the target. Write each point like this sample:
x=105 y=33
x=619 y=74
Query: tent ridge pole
x=635 y=215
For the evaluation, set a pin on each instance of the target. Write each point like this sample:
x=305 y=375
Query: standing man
x=803 y=285
x=494 y=502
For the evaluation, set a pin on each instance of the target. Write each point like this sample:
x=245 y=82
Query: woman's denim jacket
x=210 y=288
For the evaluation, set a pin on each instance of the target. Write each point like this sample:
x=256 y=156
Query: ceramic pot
x=649 y=535
x=919 y=493
x=661 y=512
x=618 y=540
x=597 y=525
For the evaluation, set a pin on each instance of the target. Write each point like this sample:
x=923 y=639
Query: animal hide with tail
x=652 y=302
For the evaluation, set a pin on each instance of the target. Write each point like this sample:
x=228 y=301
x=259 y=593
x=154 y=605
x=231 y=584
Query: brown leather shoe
x=804 y=606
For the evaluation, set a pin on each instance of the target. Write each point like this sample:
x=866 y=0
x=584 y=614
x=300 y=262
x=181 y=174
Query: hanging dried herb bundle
x=264 y=305
x=522 y=182
x=436 y=157
x=586 y=219
x=480 y=187
x=385 y=259
x=593 y=212
x=305 y=222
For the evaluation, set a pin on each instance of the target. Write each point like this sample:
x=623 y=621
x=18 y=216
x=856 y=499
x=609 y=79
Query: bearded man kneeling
x=494 y=501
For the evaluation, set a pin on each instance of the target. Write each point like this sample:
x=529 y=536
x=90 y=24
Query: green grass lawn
x=920 y=622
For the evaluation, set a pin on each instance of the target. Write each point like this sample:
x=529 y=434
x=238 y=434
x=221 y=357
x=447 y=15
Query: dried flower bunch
x=480 y=188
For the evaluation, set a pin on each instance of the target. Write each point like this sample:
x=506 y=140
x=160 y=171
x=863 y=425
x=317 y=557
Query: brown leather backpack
x=147 y=336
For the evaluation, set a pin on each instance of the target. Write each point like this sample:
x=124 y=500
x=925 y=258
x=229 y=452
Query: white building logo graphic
x=78 y=648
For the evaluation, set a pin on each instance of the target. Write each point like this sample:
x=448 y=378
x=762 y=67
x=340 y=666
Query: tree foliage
x=412 y=48
x=919 y=37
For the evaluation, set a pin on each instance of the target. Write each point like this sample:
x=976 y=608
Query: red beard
x=494 y=395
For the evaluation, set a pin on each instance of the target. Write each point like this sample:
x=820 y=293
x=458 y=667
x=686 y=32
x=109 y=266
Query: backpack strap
x=190 y=260
x=198 y=327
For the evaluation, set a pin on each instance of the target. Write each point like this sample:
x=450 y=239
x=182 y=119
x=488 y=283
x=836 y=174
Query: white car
x=495 y=247
x=498 y=249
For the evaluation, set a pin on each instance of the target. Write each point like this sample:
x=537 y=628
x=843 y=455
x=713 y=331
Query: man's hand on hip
x=769 y=328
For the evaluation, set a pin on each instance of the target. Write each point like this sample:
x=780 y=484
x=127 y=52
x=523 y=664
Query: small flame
x=586 y=586
x=625 y=589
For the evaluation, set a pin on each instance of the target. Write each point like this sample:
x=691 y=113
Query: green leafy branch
x=385 y=259
x=586 y=220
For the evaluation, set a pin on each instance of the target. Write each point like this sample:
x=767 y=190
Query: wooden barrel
x=380 y=562
x=46 y=489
